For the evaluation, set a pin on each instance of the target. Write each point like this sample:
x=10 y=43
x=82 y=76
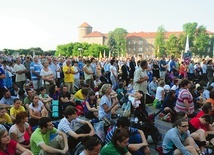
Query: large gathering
x=91 y=106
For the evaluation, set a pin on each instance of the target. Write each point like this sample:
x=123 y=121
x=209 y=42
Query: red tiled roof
x=94 y=34
x=84 y=25
x=151 y=34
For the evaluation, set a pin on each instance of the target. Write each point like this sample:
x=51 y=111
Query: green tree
x=160 y=41
x=117 y=41
x=190 y=29
x=112 y=43
x=201 y=40
x=172 y=46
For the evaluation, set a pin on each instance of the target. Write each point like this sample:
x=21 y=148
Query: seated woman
x=168 y=106
x=54 y=92
x=107 y=105
x=92 y=145
x=16 y=108
x=118 y=144
x=90 y=107
x=45 y=98
x=36 y=111
x=18 y=130
x=178 y=141
x=9 y=146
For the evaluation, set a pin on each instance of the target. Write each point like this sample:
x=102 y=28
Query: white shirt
x=158 y=95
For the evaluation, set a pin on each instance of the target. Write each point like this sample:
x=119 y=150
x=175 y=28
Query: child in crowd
x=45 y=98
x=16 y=108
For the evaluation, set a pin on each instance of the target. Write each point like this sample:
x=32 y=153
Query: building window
x=141 y=49
x=140 y=42
x=133 y=49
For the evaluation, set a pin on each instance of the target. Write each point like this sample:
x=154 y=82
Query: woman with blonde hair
x=107 y=104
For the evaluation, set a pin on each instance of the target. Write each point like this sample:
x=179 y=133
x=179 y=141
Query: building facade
x=137 y=43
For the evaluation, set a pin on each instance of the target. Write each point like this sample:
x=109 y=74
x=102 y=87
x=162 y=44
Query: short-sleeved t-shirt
x=20 y=135
x=6 y=119
x=79 y=95
x=68 y=77
x=14 y=111
x=38 y=138
x=104 y=100
x=66 y=126
x=27 y=101
x=39 y=108
x=11 y=150
x=109 y=149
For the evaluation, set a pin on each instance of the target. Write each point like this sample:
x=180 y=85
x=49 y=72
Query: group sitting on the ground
x=80 y=94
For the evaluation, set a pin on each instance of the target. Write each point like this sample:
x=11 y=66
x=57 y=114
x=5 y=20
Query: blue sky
x=48 y=23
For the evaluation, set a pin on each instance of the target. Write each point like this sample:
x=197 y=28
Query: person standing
x=20 y=71
x=35 y=68
x=163 y=67
x=141 y=78
x=88 y=74
x=69 y=76
x=132 y=65
x=210 y=71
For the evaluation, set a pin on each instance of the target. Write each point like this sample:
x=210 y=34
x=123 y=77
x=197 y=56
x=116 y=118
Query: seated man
x=7 y=100
x=29 y=99
x=41 y=143
x=65 y=99
x=137 y=141
x=67 y=125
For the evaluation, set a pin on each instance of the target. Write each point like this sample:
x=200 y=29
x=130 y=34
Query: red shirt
x=200 y=113
x=11 y=148
x=195 y=122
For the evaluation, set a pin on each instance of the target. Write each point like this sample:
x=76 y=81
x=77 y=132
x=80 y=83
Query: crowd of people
x=36 y=91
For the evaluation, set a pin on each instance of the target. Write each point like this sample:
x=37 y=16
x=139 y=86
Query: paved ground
x=161 y=125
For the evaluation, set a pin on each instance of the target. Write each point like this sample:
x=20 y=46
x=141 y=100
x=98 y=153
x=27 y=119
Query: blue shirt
x=1 y=80
x=174 y=138
x=162 y=62
x=172 y=65
x=8 y=101
x=109 y=135
x=104 y=100
x=35 y=67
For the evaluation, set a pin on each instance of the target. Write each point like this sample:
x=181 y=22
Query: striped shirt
x=180 y=106
x=66 y=126
x=111 y=132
